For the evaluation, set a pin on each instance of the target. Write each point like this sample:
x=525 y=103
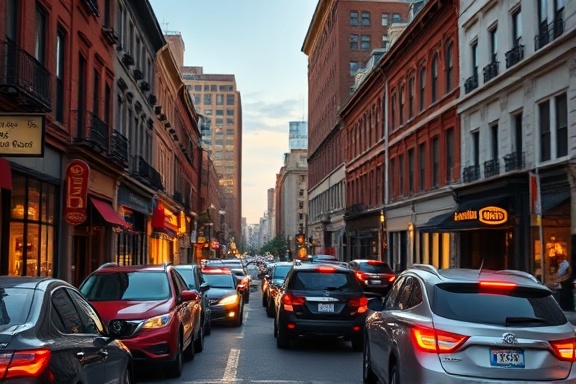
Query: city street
x=248 y=354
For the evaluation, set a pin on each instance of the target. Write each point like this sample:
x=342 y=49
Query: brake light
x=360 y=302
x=215 y=270
x=497 y=285
x=289 y=300
x=375 y=262
x=564 y=349
x=362 y=276
x=432 y=340
x=24 y=363
x=326 y=269
x=391 y=279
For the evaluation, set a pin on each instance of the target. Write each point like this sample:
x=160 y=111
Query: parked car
x=154 y=307
x=226 y=298
x=468 y=326
x=374 y=275
x=238 y=269
x=320 y=299
x=264 y=282
x=276 y=278
x=46 y=325
x=192 y=275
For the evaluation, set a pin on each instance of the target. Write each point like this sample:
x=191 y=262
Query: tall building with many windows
x=217 y=98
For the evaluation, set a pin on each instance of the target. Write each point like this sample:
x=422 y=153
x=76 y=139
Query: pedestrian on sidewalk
x=564 y=279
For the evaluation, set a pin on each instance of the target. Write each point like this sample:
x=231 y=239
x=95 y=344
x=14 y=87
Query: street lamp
x=380 y=234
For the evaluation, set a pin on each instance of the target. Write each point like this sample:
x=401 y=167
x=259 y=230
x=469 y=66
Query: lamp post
x=380 y=235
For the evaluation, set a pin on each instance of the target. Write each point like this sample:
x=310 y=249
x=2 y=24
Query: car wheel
x=207 y=326
x=275 y=329
x=282 y=339
x=247 y=296
x=358 y=343
x=394 y=377
x=368 y=376
x=239 y=318
x=199 y=342
x=127 y=376
x=270 y=312
x=174 y=368
x=264 y=300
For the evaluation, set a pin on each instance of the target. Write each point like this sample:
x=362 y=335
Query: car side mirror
x=204 y=287
x=189 y=295
x=375 y=303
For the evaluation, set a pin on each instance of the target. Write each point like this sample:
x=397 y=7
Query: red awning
x=108 y=213
x=5 y=174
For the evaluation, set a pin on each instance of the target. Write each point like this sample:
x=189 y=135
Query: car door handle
x=80 y=355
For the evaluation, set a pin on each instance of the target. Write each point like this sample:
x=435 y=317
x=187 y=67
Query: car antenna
x=481 y=265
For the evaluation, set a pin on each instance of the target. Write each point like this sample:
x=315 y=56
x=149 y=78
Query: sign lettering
x=76 y=196
x=488 y=215
x=22 y=135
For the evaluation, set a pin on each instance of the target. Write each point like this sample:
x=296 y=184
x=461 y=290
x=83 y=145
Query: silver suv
x=468 y=326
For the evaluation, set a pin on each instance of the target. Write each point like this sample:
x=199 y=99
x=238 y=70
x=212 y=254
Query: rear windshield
x=14 y=306
x=375 y=267
x=219 y=281
x=280 y=271
x=140 y=286
x=315 y=280
x=526 y=307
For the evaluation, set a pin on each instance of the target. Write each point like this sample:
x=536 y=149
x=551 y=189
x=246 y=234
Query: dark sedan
x=226 y=298
x=51 y=334
x=373 y=275
x=275 y=279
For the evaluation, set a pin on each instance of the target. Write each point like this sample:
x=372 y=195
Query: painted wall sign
x=76 y=194
x=22 y=135
x=488 y=215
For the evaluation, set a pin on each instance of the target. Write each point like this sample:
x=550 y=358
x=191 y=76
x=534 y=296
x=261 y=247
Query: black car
x=226 y=298
x=50 y=334
x=322 y=299
x=374 y=275
x=275 y=279
x=192 y=275
x=238 y=269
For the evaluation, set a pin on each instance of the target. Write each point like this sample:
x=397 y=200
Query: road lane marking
x=232 y=365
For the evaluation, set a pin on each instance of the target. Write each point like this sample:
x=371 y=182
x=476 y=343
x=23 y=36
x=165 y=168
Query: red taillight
x=362 y=276
x=564 y=349
x=326 y=269
x=289 y=300
x=497 y=285
x=360 y=302
x=24 y=363
x=432 y=340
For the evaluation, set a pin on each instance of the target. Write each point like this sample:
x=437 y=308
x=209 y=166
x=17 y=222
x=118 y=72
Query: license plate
x=325 y=307
x=511 y=358
x=376 y=281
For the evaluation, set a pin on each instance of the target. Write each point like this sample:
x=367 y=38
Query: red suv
x=153 y=306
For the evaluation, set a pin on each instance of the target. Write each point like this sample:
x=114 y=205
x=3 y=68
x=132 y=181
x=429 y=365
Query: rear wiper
x=333 y=288
x=524 y=320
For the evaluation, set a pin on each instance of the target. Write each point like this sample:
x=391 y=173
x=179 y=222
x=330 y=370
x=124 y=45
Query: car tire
x=368 y=376
x=264 y=300
x=128 y=376
x=270 y=312
x=174 y=369
x=394 y=376
x=247 y=296
x=275 y=329
x=239 y=320
x=358 y=343
x=282 y=339
x=199 y=342
x=207 y=326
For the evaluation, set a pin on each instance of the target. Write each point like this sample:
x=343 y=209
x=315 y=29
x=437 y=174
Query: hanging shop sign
x=22 y=135
x=76 y=194
x=488 y=215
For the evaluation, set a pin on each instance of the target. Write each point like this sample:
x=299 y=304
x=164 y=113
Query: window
x=393 y=112
x=197 y=99
x=229 y=121
x=391 y=177
x=401 y=105
x=435 y=161
x=384 y=19
x=12 y=19
x=229 y=112
x=96 y=94
x=561 y=125
x=422 y=87
x=365 y=19
x=411 y=98
x=198 y=87
x=353 y=42
x=60 y=60
x=219 y=112
x=401 y=174
x=474 y=51
x=494 y=137
x=219 y=99
x=449 y=67
x=517 y=27
x=494 y=44
x=354 y=18
x=422 y=177
x=230 y=99
x=545 y=135
x=40 y=35
x=411 y=171
x=476 y=148
x=385 y=42
x=206 y=88
x=354 y=65
x=365 y=45
x=207 y=99
x=434 y=78
x=213 y=88
x=396 y=18
x=449 y=154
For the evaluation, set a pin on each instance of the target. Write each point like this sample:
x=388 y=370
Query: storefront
x=164 y=240
x=136 y=209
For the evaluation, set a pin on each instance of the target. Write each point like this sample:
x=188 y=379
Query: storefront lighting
x=18 y=211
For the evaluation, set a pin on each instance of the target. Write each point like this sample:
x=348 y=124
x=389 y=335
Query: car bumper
x=307 y=327
x=224 y=313
x=153 y=345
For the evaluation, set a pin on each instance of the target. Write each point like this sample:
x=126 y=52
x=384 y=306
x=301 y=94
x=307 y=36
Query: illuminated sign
x=76 y=195
x=488 y=215
x=22 y=135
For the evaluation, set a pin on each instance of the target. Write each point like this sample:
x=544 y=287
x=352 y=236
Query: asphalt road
x=248 y=354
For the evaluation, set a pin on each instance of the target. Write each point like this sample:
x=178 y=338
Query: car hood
x=217 y=293
x=131 y=310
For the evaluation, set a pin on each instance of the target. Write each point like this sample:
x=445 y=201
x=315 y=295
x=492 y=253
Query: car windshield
x=529 y=307
x=134 y=285
x=280 y=271
x=188 y=276
x=219 y=280
x=316 y=280
x=374 y=267
x=14 y=306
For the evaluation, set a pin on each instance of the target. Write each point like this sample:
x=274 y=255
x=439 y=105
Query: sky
x=260 y=42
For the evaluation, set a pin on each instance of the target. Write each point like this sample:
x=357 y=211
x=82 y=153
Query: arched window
x=434 y=92
x=422 y=87
x=449 y=67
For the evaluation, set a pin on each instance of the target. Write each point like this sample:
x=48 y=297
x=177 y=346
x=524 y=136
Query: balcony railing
x=514 y=161
x=471 y=173
x=24 y=77
x=119 y=150
x=491 y=168
x=514 y=55
x=491 y=71
x=147 y=174
x=471 y=83
x=91 y=130
x=549 y=33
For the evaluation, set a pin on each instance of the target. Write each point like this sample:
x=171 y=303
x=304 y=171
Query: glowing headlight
x=232 y=299
x=158 y=321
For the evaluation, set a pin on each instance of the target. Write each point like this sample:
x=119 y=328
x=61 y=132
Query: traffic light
x=300 y=239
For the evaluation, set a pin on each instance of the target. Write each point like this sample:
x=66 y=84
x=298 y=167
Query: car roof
x=114 y=267
x=307 y=265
